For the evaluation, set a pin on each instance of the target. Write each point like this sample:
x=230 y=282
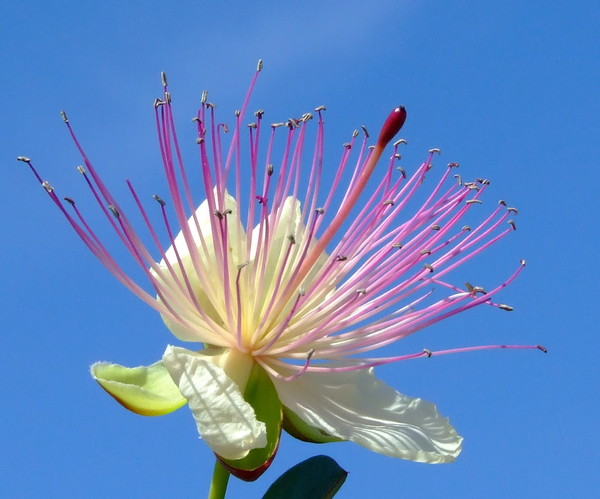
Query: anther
x=435 y=150
x=466 y=228
x=389 y=202
x=163 y=78
x=46 y=185
x=269 y=169
x=402 y=171
x=361 y=291
x=204 y=97
x=512 y=224
x=199 y=140
x=70 y=201
x=81 y=170
x=320 y=211
x=341 y=258
x=320 y=108
x=347 y=145
x=364 y=129
x=428 y=266
x=502 y=202
x=63 y=115
x=398 y=155
x=158 y=199
x=397 y=245
x=113 y=210
x=237 y=113
x=542 y=348
x=276 y=125
x=225 y=128
x=425 y=252
x=523 y=262
x=458 y=179
x=508 y=308
x=259 y=65
x=485 y=181
x=355 y=133
x=478 y=289
x=453 y=165
x=24 y=159
x=400 y=141
x=427 y=352
x=158 y=103
x=167 y=96
x=195 y=119
x=435 y=227
x=473 y=201
x=221 y=214
x=513 y=210
x=371 y=148
x=292 y=239
x=242 y=265
x=210 y=105
x=252 y=125
x=259 y=113
x=306 y=117
x=292 y=123
x=469 y=287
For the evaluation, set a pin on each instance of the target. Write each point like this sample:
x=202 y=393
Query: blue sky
x=508 y=89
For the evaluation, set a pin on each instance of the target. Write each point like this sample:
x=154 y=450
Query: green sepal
x=297 y=428
x=262 y=396
x=145 y=390
x=319 y=477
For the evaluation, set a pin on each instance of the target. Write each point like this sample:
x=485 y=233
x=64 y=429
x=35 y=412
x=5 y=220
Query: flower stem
x=220 y=478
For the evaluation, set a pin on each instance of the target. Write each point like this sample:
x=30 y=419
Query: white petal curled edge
x=356 y=406
x=224 y=419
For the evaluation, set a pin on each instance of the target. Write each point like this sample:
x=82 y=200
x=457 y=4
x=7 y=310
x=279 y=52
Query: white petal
x=358 y=407
x=203 y=216
x=289 y=224
x=208 y=261
x=224 y=419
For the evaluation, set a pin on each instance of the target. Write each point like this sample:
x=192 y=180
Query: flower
x=290 y=285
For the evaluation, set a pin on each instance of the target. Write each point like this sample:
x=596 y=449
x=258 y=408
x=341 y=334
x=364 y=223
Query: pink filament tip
x=392 y=126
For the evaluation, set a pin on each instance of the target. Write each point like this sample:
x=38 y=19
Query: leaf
x=319 y=477
x=145 y=390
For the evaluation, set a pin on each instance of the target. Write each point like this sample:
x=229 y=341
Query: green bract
x=145 y=390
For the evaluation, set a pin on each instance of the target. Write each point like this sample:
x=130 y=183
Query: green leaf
x=319 y=477
x=297 y=428
x=145 y=390
x=262 y=396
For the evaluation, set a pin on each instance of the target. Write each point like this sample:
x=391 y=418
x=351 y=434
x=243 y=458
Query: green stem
x=218 y=486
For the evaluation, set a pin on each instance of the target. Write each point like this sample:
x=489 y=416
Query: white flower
x=287 y=327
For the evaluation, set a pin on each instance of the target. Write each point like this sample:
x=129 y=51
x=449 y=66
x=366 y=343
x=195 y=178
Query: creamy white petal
x=184 y=307
x=288 y=224
x=356 y=406
x=204 y=216
x=224 y=419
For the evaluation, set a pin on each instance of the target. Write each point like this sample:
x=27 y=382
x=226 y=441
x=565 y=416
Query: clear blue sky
x=509 y=89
